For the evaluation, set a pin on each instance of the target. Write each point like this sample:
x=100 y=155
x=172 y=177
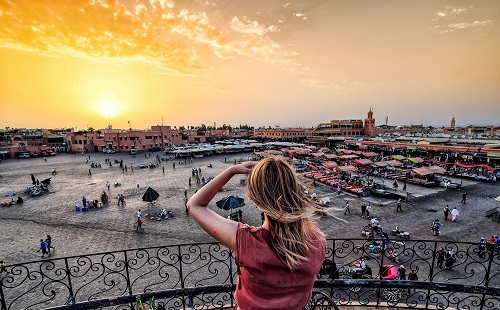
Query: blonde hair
x=275 y=190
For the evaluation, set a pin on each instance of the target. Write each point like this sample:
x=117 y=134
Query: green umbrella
x=231 y=202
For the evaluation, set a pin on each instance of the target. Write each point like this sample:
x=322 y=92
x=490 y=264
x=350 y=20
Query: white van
x=132 y=151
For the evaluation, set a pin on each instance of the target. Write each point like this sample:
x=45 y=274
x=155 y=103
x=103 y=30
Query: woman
x=279 y=261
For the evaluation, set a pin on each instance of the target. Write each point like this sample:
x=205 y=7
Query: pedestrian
x=173 y=165
x=185 y=193
x=440 y=256
x=368 y=210
x=269 y=257
x=189 y=181
x=164 y=169
x=412 y=275
x=139 y=224
x=402 y=272
x=90 y=173
x=395 y=184
x=450 y=259
x=126 y=168
x=132 y=168
x=347 y=208
x=49 y=243
x=464 y=197
x=398 y=209
x=446 y=212
x=107 y=184
x=139 y=214
x=454 y=214
x=84 y=201
x=404 y=185
x=43 y=248
x=339 y=188
x=494 y=180
x=363 y=210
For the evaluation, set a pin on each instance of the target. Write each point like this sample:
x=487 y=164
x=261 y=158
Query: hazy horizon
x=88 y=63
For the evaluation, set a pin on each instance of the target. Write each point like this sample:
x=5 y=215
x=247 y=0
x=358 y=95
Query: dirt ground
x=112 y=227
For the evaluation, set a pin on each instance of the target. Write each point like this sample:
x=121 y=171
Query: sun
x=108 y=104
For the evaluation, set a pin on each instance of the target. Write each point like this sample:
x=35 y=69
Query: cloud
x=443 y=20
x=152 y=31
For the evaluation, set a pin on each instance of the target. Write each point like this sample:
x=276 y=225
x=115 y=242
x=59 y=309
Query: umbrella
x=150 y=195
x=46 y=181
x=10 y=194
x=231 y=202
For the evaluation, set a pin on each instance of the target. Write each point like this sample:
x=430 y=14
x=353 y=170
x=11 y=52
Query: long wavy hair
x=273 y=187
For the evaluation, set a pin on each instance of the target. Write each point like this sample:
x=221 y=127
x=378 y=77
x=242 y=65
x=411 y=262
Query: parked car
x=110 y=151
x=132 y=151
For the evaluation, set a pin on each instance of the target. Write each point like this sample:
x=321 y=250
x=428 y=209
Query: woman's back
x=265 y=282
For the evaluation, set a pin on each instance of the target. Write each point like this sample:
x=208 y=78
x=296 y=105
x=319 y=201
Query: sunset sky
x=87 y=63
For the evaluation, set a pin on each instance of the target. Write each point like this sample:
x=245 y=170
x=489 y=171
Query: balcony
x=203 y=276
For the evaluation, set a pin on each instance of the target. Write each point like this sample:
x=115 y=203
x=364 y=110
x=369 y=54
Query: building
x=282 y=133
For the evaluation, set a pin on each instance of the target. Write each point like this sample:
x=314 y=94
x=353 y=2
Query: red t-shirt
x=267 y=283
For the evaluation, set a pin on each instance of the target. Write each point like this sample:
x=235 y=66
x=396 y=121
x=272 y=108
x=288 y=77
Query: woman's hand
x=243 y=168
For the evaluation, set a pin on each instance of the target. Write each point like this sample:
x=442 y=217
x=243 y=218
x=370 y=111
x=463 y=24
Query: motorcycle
x=376 y=229
x=401 y=233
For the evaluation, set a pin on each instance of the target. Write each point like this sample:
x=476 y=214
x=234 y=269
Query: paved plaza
x=111 y=228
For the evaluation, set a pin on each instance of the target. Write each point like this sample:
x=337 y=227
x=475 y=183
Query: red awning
x=475 y=166
x=394 y=163
x=347 y=168
x=349 y=156
x=330 y=164
x=381 y=164
x=437 y=169
x=422 y=171
x=362 y=162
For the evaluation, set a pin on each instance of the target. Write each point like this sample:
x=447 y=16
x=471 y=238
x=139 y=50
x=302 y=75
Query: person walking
x=139 y=214
x=454 y=214
x=347 y=208
x=464 y=198
x=450 y=259
x=49 y=243
x=108 y=185
x=494 y=180
x=268 y=257
x=368 y=210
x=339 y=188
x=90 y=173
x=363 y=210
x=440 y=256
x=139 y=224
x=402 y=272
x=446 y=212
x=84 y=201
x=43 y=248
x=412 y=276
x=399 y=209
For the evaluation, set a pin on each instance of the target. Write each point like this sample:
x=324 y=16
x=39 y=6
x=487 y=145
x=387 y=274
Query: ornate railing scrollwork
x=204 y=276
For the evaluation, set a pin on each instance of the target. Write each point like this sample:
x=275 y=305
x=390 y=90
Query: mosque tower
x=452 y=123
x=369 y=128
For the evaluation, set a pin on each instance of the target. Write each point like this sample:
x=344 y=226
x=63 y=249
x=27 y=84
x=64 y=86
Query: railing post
x=127 y=273
x=70 y=286
x=431 y=278
x=180 y=271
x=2 y=297
x=487 y=276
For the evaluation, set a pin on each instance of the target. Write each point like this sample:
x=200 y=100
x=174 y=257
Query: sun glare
x=108 y=104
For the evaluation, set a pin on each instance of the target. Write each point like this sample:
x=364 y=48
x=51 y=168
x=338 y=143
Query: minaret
x=369 y=129
x=452 y=123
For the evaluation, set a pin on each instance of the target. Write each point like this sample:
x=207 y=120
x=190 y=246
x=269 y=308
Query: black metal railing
x=203 y=276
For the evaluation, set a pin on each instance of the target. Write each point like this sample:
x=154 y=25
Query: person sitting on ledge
x=283 y=255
